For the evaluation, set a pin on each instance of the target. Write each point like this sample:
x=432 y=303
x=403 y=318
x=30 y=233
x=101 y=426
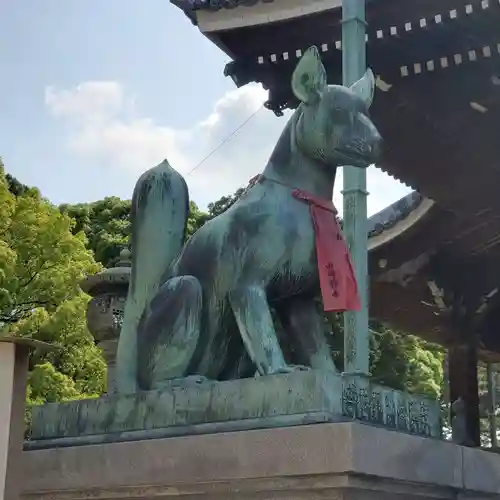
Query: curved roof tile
x=391 y=215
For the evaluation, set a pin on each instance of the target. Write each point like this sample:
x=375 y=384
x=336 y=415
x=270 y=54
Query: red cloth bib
x=337 y=278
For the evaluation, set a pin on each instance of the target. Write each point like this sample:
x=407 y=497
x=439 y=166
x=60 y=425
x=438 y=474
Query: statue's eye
x=342 y=115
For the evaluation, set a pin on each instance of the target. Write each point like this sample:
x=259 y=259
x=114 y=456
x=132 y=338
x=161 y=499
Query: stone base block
x=257 y=403
x=341 y=461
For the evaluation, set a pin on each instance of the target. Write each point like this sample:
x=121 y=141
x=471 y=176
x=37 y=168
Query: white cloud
x=88 y=102
x=103 y=127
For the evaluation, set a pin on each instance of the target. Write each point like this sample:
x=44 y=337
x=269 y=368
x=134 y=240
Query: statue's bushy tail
x=160 y=209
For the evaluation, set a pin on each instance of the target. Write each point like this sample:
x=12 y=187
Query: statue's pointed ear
x=365 y=87
x=309 y=77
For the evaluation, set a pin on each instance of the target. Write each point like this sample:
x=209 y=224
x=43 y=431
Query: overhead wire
x=228 y=138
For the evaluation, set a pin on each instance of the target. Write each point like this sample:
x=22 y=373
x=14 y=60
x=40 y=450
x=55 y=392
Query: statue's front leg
x=304 y=325
x=255 y=324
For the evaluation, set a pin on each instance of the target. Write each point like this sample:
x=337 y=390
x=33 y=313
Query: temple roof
x=416 y=277
x=437 y=68
x=391 y=215
x=214 y=5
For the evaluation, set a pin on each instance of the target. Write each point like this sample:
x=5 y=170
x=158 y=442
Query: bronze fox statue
x=201 y=308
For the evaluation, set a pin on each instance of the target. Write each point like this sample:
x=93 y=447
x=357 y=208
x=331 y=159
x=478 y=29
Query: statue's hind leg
x=169 y=334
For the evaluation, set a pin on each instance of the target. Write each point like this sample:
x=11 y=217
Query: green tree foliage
x=75 y=368
x=397 y=360
x=220 y=206
x=106 y=224
x=41 y=265
x=196 y=219
x=406 y=362
x=15 y=187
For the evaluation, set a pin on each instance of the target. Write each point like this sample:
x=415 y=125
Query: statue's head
x=334 y=126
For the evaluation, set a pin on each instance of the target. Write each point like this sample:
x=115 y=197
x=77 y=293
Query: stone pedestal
x=350 y=461
x=14 y=353
x=256 y=403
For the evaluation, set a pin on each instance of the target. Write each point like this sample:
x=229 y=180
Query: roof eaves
x=192 y=5
x=391 y=215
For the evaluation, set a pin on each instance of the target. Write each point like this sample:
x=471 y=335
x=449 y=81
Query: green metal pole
x=356 y=335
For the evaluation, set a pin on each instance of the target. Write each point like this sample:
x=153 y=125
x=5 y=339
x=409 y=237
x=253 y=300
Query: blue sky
x=95 y=91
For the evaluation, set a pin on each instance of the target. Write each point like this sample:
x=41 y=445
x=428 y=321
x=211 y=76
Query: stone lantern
x=108 y=290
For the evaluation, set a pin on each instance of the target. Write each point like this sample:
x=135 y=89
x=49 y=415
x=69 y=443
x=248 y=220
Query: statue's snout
x=372 y=140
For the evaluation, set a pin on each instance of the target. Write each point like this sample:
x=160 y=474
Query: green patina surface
x=262 y=402
x=204 y=307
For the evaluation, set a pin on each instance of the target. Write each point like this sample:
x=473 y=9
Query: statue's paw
x=292 y=369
